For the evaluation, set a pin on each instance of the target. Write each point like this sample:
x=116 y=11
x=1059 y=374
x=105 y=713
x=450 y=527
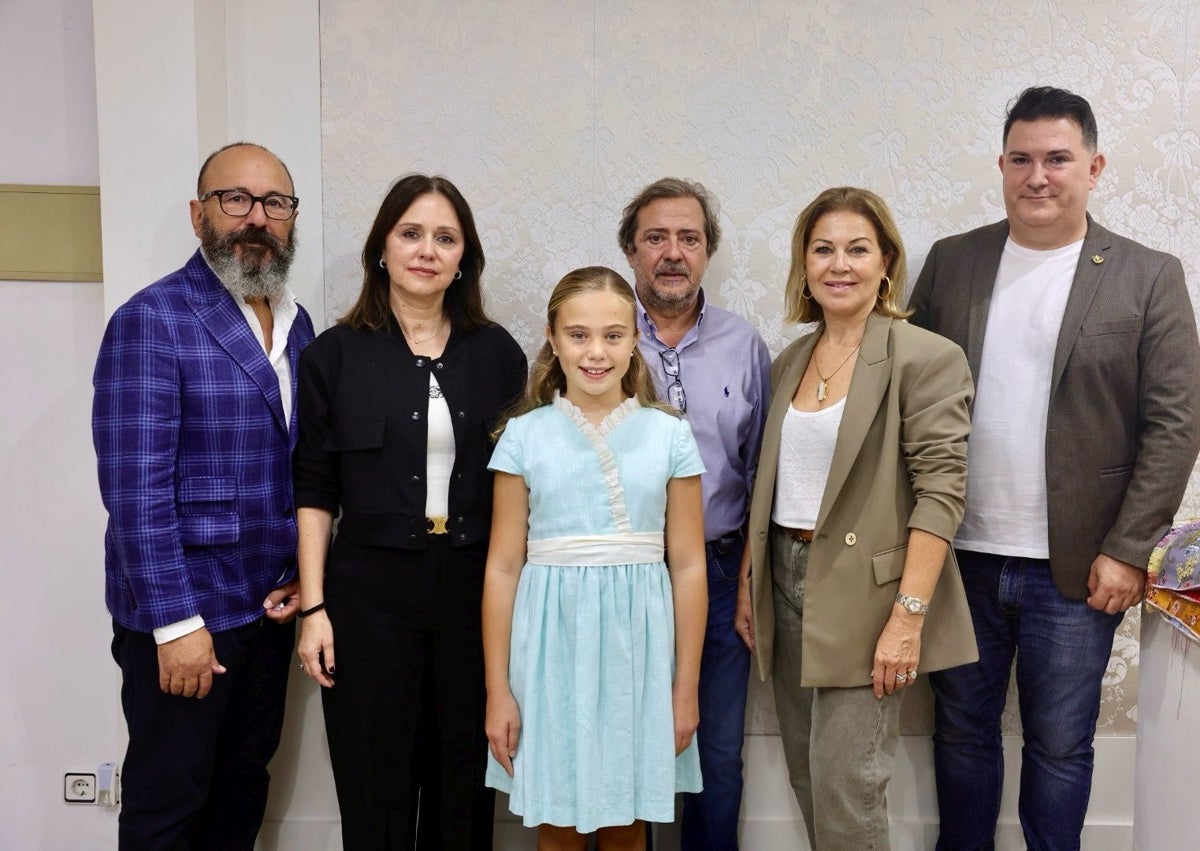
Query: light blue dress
x=592 y=656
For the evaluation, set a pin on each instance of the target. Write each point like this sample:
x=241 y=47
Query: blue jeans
x=710 y=817
x=1062 y=648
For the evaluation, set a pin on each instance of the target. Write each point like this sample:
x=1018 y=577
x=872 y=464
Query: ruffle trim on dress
x=597 y=435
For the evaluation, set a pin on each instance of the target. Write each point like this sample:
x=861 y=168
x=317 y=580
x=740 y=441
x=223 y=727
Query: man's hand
x=282 y=604
x=1114 y=586
x=743 y=616
x=187 y=664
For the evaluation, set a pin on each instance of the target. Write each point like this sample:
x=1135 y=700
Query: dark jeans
x=195 y=773
x=1062 y=648
x=710 y=817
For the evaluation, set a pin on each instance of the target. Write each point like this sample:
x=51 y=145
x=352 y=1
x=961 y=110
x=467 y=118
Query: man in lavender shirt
x=715 y=368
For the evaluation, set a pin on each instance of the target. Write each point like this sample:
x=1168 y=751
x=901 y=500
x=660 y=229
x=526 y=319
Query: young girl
x=592 y=649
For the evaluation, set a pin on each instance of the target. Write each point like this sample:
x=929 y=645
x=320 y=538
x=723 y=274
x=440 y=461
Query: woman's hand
x=685 y=706
x=503 y=727
x=897 y=653
x=316 y=648
x=743 y=616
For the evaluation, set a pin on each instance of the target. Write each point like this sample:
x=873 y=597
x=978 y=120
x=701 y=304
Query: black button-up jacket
x=362 y=406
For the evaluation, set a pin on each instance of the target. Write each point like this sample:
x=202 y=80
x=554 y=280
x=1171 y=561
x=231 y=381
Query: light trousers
x=839 y=743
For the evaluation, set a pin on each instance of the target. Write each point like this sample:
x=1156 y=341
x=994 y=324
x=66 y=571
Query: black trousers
x=404 y=718
x=195 y=774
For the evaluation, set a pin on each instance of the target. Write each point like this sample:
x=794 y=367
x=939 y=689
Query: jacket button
x=416 y=415
x=439 y=364
x=462 y=415
x=460 y=520
x=415 y=479
x=462 y=537
x=851 y=539
x=420 y=361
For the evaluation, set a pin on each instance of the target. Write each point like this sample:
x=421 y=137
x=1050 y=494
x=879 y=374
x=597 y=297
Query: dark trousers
x=195 y=774
x=710 y=817
x=404 y=718
x=1062 y=649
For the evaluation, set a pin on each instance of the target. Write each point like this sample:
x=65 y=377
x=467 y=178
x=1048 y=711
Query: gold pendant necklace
x=417 y=342
x=823 y=385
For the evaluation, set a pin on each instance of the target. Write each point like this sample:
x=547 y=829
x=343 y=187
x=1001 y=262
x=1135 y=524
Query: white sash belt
x=597 y=550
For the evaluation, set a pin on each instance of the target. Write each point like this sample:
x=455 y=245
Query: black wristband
x=306 y=612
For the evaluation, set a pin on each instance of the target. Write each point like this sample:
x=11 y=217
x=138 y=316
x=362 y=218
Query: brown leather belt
x=804 y=536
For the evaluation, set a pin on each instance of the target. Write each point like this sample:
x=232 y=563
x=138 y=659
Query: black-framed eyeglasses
x=239 y=202
x=675 y=394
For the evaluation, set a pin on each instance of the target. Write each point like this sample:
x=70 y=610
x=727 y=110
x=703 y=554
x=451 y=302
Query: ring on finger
x=901 y=678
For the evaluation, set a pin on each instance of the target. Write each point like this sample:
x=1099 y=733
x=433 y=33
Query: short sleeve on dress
x=685 y=454
x=506 y=458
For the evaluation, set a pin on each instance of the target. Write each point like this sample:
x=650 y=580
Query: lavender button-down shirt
x=725 y=369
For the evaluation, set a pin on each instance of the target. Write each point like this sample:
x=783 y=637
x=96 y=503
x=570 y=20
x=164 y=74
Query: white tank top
x=806 y=444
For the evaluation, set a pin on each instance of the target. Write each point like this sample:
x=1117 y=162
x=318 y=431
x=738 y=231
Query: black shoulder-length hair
x=464 y=297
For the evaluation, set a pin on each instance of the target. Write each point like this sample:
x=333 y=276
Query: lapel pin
x=1097 y=259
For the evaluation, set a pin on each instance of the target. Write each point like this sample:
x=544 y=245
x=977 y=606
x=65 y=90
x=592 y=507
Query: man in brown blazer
x=1086 y=424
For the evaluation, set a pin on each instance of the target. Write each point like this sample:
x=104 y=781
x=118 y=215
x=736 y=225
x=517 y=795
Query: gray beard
x=254 y=275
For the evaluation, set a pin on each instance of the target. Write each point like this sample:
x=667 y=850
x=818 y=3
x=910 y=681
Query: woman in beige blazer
x=849 y=584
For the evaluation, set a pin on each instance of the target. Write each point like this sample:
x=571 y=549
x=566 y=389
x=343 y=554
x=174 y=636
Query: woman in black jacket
x=395 y=405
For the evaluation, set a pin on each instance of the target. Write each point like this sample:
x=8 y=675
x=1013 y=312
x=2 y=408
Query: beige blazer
x=1123 y=426
x=900 y=462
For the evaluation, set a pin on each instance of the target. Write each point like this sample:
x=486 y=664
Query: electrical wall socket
x=102 y=786
x=79 y=787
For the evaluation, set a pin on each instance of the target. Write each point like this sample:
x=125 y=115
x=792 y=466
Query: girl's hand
x=316 y=648
x=503 y=727
x=897 y=653
x=686 y=709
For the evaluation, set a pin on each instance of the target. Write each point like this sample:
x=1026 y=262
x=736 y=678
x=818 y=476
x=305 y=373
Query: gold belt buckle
x=437 y=525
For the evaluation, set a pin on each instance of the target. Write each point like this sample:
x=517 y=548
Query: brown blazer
x=900 y=462
x=1124 y=418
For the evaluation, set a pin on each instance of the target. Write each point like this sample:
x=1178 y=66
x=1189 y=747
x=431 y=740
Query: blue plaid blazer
x=194 y=456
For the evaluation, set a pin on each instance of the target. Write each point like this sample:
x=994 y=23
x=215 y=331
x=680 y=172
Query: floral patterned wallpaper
x=551 y=114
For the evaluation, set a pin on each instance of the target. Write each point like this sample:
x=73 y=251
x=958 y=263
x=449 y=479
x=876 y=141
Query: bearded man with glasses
x=194 y=425
x=714 y=367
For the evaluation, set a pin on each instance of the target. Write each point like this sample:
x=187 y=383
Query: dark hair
x=223 y=149
x=463 y=303
x=1039 y=102
x=671 y=187
x=800 y=307
x=547 y=377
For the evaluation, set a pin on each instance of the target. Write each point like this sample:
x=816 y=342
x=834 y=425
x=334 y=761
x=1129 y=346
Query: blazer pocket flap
x=194 y=489
x=1128 y=325
x=206 y=530
x=353 y=433
x=889 y=564
x=1120 y=470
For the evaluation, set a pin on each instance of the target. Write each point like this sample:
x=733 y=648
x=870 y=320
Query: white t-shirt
x=806 y=443
x=439 y=457
x=1006 y=455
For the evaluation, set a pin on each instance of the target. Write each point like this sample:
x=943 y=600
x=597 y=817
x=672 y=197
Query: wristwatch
x=912 y=605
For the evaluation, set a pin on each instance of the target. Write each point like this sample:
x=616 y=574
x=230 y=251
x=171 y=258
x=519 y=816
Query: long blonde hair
x=547 y=377
x=798 y=303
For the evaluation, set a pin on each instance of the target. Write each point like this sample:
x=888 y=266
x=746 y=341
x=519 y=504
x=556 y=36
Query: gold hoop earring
x=804 y=293
x=886 y=294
